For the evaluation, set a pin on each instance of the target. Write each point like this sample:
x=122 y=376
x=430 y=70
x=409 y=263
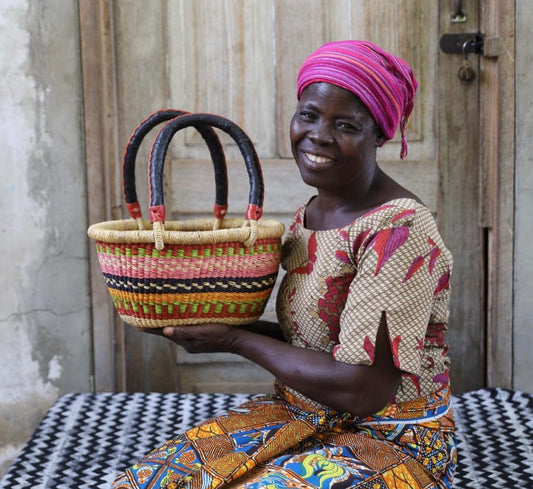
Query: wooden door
x=239 y=59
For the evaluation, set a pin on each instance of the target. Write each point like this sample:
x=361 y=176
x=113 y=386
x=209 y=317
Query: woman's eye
x=307 y=115
x=345 y=126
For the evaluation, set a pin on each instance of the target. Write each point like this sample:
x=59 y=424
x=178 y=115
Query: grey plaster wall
x=44 y=308
x=523 y=284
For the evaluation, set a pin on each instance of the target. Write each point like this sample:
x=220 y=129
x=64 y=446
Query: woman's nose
x=320 y=134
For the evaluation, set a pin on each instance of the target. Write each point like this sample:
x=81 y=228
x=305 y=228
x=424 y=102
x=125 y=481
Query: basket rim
x=194 y=231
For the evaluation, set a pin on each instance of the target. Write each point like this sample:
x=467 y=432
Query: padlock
x=466 y=72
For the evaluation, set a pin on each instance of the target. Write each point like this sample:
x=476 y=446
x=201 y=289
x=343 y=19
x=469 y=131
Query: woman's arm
x=267 y=328
x=359 y=389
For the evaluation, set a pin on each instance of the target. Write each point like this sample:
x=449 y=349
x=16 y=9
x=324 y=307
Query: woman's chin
x=313 y=178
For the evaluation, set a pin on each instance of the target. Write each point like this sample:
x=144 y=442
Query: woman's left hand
x=203 y=338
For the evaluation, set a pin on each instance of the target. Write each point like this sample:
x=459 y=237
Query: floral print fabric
x=340 y=281
x=272 y=442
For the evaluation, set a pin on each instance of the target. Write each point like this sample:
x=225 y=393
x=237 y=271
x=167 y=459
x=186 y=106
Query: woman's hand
x=200 y=338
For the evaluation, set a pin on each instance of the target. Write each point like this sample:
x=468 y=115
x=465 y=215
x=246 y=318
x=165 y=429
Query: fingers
x=182 y=335
x=154 y=331
x=170 y=331
x=201 y=338
x=173 y=333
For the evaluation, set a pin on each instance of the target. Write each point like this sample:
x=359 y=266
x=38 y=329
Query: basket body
x=189 y=272
x=221 y=280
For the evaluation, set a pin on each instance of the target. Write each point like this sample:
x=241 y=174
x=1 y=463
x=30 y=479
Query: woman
x=362 y=390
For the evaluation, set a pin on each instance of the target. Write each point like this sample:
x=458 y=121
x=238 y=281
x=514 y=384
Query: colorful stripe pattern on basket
x=182 y=284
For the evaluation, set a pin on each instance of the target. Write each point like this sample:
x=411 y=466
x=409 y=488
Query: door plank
x=220 y=61
x=98 y=91
x=458 y=156
x=142 y=89
x=284 y=189
x=392 y=30
x=497 y=186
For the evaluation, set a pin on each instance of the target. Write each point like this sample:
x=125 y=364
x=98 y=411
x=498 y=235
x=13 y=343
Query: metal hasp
x=463 y=43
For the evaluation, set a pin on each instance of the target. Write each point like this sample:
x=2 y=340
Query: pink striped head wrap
x=383 y=82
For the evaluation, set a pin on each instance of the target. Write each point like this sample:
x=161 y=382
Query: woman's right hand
x=265 y=328
x=203 y=338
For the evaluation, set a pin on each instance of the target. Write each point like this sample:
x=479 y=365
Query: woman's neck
x=331 y=210
x=335 y=209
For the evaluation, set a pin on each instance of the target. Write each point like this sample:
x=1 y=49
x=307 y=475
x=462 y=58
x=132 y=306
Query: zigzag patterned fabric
x=86 y=439
x=162 y=288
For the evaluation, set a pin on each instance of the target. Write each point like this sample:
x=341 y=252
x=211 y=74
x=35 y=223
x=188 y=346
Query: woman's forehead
x=327 y=95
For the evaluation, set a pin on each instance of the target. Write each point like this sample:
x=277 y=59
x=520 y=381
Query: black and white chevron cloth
x=494 y=439
x=85 y=439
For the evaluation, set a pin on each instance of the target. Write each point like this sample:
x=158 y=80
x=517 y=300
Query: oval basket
x=196 y=271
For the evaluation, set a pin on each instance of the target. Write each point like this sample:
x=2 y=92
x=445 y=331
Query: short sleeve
x=400 y=271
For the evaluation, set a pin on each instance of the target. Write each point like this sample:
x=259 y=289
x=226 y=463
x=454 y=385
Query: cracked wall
x=44 y=304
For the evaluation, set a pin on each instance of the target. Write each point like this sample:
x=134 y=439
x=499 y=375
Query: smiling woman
x=362 y=395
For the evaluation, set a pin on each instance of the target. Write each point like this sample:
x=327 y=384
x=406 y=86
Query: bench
x=86 y=439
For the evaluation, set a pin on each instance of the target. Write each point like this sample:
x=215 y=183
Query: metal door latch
x=465 y=44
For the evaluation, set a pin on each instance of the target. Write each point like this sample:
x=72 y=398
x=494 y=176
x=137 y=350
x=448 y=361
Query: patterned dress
x=338 y=284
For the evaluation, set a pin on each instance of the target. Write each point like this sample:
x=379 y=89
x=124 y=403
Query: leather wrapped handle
x=246 y=147
x=215 y=148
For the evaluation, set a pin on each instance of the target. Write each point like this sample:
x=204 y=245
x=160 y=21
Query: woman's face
x=333 y=138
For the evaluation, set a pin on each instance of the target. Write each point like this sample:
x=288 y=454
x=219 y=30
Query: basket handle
x=215 y=148
x=157 y=161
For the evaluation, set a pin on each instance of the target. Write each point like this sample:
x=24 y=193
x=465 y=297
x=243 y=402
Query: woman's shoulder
x=402 y=211
x=298 y=218
x=396 y=212
x=405 y=220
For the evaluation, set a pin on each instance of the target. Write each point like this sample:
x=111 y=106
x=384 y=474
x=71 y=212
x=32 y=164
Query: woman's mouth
x=317 y=159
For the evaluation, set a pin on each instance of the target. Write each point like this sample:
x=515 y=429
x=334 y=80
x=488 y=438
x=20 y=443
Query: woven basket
x=189 y=272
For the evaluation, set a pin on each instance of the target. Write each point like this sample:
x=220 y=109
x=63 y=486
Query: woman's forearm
x=266 y=328
x=360 y=390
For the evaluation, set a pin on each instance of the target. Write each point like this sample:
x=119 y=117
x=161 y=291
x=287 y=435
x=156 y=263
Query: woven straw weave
x=189 y=272
x=217 y=280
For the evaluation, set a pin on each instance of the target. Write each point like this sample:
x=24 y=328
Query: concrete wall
x=44 y=308
x=523 y=284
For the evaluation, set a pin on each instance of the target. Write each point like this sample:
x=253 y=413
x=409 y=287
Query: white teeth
x=317 y=159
